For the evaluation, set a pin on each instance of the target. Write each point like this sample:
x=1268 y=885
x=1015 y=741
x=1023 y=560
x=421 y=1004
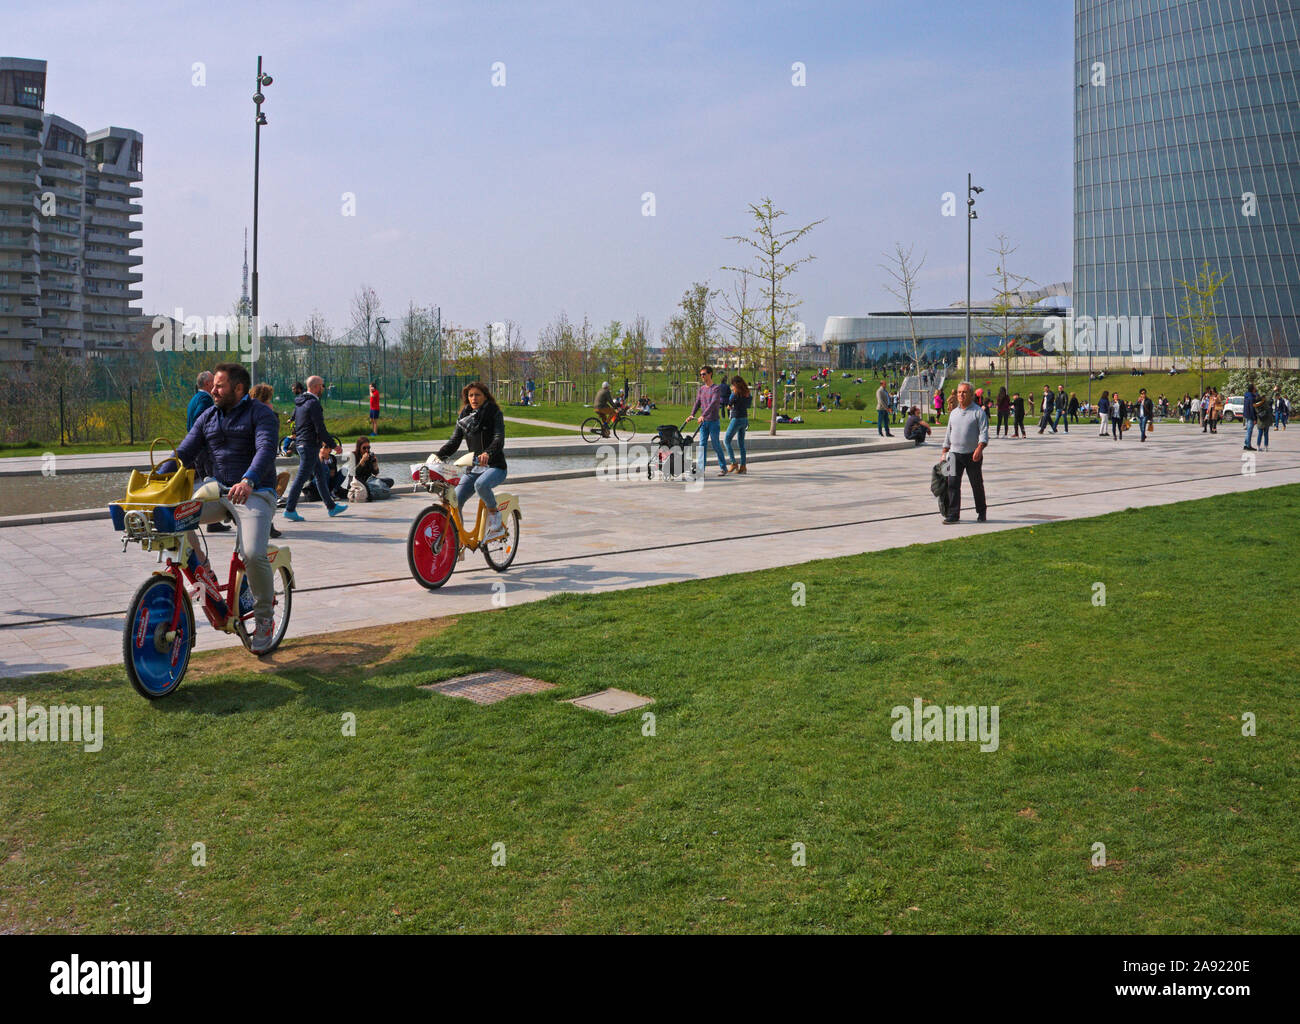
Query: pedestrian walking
x=1004 y=411
x=882 y=410
x=309 y=429
x=1146 y=412
x=1018 y=411
x=1073 y=408
x=707 y=402
x=740 y=402
x=1118 y=410
x=1049 y=403
x=1249 y=415
x=1062 y=402
x=1103 y=412
x=1264 y=420
x=374 y=409
x=966 y=438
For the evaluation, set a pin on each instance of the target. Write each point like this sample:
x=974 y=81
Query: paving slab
x=589 y=535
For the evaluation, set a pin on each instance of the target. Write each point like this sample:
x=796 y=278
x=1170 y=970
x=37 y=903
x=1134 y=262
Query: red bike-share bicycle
x=159 y=632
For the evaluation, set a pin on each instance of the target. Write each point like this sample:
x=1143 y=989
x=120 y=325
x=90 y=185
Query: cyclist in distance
x=239 y=436
x=482 y=426
x=605 y=408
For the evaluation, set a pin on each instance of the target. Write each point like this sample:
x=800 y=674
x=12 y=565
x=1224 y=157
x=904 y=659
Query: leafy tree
x=1198 y=340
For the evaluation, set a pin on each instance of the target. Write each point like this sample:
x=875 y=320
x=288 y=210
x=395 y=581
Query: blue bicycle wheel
x=155 y=665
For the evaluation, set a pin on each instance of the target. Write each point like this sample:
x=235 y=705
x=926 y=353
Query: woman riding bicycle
x=482 y=426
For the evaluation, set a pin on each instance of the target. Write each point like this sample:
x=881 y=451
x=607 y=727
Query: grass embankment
x=1119 y=724
x=348 y=420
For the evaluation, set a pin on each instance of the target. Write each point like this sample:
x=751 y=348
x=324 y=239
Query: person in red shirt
x=374 y=408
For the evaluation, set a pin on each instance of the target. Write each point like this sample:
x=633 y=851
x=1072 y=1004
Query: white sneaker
x=261 y=642
x=495 y=528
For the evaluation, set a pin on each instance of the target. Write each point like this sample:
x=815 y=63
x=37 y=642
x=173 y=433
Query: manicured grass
x=1119 y=724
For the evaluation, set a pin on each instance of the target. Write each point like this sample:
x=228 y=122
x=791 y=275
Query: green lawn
x=348 y=419
x=1119 y=724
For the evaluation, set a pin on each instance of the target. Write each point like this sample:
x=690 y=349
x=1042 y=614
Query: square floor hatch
x=611 y=701
x=488 y=687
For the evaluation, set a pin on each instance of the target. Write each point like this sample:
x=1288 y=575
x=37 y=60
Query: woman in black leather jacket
x=483 y=427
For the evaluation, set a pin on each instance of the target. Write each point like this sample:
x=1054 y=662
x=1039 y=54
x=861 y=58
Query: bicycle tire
x=500 y=556
x=592 y=430
x=432 y=547
x=624 y=428
x=156 y=671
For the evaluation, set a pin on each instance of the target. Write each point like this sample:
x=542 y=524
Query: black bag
x=939 y=486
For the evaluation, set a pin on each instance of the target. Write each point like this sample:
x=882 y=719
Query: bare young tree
x=366 y=309
x=1013 y=310
x=771 y=271
x=736 y=313
x=903 y=269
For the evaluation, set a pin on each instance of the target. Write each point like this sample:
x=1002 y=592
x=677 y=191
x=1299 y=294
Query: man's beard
x=226 y=402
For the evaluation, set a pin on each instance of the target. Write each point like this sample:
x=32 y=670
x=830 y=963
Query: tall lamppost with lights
x=383 y=348
x=263 y=80
x=971 y=192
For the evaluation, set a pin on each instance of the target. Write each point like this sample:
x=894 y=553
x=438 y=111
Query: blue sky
x=524 y=200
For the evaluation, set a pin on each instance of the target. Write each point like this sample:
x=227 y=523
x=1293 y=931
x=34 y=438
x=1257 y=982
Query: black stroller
x=668 y=454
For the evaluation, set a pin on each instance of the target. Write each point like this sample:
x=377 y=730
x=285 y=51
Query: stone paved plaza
x=586 y=535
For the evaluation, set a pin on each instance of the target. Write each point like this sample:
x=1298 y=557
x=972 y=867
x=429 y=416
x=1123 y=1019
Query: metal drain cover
x=611 y=701
x=488 y=687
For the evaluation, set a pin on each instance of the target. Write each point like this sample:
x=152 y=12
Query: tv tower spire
x=245 y=303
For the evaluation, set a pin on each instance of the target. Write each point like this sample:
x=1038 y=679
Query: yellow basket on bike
x=153 y=492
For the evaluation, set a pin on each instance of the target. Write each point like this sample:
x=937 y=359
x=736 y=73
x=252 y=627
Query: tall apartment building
x=68 y=211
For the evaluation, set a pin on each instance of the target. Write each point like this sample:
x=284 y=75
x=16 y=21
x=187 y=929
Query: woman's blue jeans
x=480 y=480
x=737 y=429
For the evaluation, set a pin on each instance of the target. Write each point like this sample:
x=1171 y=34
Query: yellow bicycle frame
x=506 y=503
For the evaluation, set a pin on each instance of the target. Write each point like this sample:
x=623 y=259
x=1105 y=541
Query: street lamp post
x=972 y=191
x=383 y=346
x=263 y=80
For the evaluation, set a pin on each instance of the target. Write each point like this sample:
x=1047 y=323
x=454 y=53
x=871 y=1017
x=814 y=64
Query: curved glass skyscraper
x=1187 y=150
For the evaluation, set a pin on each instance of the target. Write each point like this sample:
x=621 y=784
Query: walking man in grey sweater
x=967 y=437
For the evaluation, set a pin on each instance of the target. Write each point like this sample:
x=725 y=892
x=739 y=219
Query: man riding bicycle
x=605 y=408
x=240 y=437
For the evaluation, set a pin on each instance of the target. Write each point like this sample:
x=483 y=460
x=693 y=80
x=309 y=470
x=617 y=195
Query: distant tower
x=245 y=303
